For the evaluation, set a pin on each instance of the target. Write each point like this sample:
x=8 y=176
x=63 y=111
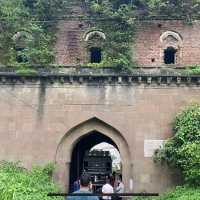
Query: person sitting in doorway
x=84 y=188
x=107 y=189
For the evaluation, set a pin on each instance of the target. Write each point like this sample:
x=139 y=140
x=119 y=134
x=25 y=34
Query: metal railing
x=101 y=194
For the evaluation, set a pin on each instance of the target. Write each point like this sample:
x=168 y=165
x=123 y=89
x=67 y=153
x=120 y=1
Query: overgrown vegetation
x=27 y=27
x=116 y=20
x=193 y=70
x=26 y=31
x=17 y=183
x=183 y=149
x=180 y=193
x=167 y=9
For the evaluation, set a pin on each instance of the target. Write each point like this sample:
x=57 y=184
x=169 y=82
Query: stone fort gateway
x=58 y=116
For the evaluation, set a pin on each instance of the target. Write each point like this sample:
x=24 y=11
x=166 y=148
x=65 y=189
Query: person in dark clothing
x=84 y=188
x=113 y=179
x=76 y=185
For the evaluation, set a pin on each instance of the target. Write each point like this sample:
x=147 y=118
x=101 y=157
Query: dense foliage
x=25 y=32
x=183 y=150
x=17 y=183
x=193 y=70
x=171 y=9
x=167 y=9
x=180 y=193
x=116 y=20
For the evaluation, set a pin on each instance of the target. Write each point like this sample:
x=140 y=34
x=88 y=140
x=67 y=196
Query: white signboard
x=150 y=146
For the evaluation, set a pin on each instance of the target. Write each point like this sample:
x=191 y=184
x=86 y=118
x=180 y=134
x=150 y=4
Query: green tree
x=183 y=149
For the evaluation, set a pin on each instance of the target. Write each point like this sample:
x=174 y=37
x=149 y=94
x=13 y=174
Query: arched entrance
x=83 y=146
x=97 y=131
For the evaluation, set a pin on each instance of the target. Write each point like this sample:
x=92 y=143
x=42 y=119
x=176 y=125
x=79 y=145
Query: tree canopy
x=183 y=149
x=174 y=9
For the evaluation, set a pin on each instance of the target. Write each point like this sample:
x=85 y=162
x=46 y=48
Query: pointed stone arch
x=73 y=136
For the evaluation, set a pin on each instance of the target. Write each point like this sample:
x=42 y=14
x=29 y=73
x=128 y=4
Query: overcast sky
x=108 y=147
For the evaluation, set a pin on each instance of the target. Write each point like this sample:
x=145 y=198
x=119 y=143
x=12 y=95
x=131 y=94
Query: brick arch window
x=171 y=43
x=94 y=42
x=170 y=55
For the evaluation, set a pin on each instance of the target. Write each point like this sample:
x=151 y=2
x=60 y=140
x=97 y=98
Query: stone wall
x=147 y=50
x=69 y=47
x=37 y=113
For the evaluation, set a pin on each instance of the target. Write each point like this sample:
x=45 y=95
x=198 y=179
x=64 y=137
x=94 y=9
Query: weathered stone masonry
x=44 y=116
x=41 y=115
x=149 y=47
x=152 y=38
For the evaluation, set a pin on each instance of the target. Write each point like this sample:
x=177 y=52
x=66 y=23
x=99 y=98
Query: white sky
x=108 y=147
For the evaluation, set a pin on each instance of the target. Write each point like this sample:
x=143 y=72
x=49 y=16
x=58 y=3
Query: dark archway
x=95 y=55
x=170 y=55
x=69 y=141
x=85 y=143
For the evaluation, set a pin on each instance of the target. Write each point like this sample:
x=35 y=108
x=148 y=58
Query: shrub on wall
x=116 y=20
x=183 y=149
x=194 y=70
x=17 y=183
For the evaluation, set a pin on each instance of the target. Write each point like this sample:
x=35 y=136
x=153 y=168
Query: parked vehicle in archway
x=99 y=165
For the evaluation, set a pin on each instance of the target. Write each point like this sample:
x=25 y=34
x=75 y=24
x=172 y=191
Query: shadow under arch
x=74 y=135
x=85 y=144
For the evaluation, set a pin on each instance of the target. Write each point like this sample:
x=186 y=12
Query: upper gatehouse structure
x=156 y=43
x=59 y=114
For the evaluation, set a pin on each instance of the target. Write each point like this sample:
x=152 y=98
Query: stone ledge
x=9 y=78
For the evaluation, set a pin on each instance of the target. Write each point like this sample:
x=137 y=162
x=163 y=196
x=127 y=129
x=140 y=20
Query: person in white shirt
x=107 y=189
